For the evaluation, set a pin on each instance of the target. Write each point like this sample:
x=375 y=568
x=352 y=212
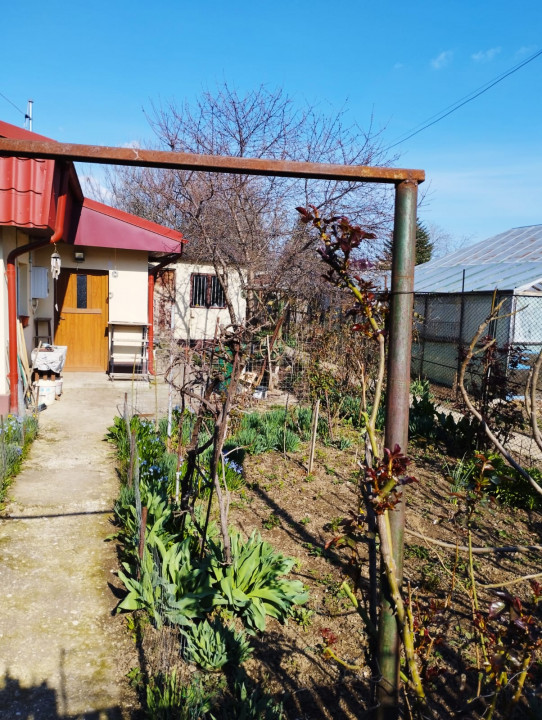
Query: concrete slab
x=62 y=653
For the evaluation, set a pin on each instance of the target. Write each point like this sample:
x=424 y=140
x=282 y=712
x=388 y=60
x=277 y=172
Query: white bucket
x=46 y=391
x=58 y=386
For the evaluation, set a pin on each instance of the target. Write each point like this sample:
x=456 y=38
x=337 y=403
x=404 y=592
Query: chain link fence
x=444 y=327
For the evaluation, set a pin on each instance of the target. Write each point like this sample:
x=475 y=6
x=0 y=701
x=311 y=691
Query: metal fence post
x=423 y=338
x=397 y=409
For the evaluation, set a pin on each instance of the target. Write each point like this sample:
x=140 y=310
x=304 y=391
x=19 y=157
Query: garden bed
x=16 y=436
x=316 y=664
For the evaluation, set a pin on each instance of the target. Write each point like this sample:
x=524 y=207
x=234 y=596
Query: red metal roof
x=26 y=186
x=28 y=194
x=103 y=226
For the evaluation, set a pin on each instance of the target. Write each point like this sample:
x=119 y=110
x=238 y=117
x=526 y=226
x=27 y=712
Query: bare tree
x=242 y=223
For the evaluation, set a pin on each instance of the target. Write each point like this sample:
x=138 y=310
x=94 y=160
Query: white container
x=260 y=393
x=46 y=391
x=58 y=386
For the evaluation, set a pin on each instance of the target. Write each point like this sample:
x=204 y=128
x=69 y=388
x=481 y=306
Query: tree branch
x=492 y=437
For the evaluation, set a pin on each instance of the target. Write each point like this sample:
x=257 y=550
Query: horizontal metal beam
x=210 y=163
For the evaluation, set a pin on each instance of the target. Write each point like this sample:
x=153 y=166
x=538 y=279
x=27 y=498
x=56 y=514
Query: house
x=200 y=303
x=455 y=294
x=77 y=271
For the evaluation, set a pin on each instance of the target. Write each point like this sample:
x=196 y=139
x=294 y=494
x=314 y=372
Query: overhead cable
x=11 y=103
x=437 y=117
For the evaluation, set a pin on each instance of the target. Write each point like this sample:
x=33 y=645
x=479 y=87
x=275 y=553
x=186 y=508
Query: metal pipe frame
x=210 y=163
x=401 y=307
x=397 y=409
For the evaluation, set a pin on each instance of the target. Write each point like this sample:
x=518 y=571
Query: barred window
x=207 y=292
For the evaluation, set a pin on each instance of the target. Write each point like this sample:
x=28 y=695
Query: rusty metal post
x=397 y=408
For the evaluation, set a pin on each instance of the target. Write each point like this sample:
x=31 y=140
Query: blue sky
x=93 y=68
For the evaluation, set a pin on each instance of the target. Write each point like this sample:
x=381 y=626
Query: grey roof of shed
x=511 y=261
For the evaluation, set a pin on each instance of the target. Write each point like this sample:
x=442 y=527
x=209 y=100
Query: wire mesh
x=444 y=328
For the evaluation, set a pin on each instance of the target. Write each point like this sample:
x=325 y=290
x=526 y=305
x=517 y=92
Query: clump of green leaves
x=168 y=698
x=302 y=616
x=16 y=436
x=262 y=432
x=458 y=433
x=254 y=586
x=212 y=645
x=250 y=703
x=173 y=586
x=271 y=521
x=500 y=480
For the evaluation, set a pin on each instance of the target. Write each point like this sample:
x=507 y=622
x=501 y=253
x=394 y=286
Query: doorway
x=82 y=317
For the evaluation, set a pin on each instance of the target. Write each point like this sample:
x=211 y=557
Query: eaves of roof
x=100 y=225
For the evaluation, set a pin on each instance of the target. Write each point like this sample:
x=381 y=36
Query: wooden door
x=81 y=320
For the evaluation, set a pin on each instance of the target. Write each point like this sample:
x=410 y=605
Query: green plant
x=250 y=703
x=172 y=587
x=16 y=436
x=505 y=483
x=421 y=418
x=314 y=550
x=417 y=551
x=212 y=645
x=232 y=473
x=302 y=616
x=460 y=474
x=168 y=698
x=159 y=519
x=343 y=443
x=513 y=489
x=306 y=520
x=430 y=578
x=272 y=521
x=253 y=586
x=334 y=524
x=277 y=429
x=459 y=434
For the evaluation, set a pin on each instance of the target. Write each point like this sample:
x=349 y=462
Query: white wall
x=200 y=323
x=128 y=279
x=10 y=238
x=128 y=286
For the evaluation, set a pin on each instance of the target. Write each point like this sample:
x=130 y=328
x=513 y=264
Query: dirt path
x=62 y=655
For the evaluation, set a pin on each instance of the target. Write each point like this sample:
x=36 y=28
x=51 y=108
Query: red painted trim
x=134 y=220
x=150 y=312
x=150 y=320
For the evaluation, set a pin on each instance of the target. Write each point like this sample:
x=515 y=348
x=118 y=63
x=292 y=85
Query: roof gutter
x=58 y=234
x=153 y=272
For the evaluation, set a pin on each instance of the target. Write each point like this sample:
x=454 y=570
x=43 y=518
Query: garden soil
x=63 y=651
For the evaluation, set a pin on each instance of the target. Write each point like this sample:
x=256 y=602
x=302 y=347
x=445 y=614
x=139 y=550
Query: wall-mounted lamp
x=55 y=264
x=79 y=256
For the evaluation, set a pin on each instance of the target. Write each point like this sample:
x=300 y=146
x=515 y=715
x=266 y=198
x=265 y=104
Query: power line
x=11 y=103
x=462 y=101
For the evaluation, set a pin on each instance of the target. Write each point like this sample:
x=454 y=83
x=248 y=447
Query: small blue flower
x=234 y=466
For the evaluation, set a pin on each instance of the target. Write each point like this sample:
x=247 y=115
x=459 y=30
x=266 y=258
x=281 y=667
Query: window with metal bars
x=207 y=292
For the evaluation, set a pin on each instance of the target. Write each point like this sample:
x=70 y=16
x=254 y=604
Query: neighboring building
x=200 y=302
x=454 y=295
x=98 y=306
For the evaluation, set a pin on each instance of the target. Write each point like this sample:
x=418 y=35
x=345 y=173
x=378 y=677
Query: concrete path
x=62 y=653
